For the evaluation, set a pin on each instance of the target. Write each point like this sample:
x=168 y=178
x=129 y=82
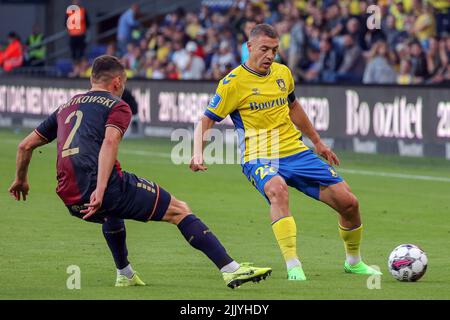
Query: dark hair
x=264 y=29
x=106 y=67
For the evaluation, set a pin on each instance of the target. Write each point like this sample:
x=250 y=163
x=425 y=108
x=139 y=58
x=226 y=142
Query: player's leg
x=198 y=234
x=340 y=198
x=283 y=225
x=317 y=179
x=267 y=180
x=114 y=232
x=201 y=238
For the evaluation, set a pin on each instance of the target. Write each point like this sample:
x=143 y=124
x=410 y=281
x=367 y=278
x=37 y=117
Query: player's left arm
x=20 y=186
x=300 y=119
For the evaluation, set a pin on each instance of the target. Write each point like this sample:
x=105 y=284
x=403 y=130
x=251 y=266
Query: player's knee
x=177 y=211
x=184 y=209
x=351 y=205
x=278 y=193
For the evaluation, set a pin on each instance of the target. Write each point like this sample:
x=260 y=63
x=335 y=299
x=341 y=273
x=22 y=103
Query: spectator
x=398 y=11
x=379 y=69
x=425 y=25
x=180 y=56
x=157 y=70
x=223 y=60
x=418 y=61
x=297 y=45
x=401 y=53
x=312 y=34
x=130 y=59
x=393 y=35
x=329 y=60
x=111 y=49
x=405 y=77
x=77 y=31
x=219 y=34
x=311 y=72
x=195 y=66
x=353 y=28
x=282 y=29
x=127 y=22
x=12 y=56
x=172 y=71
x=442 y=15
x=353 y=64
x=36 y=51
x=333 y=21
x=82 y=69
x=192 y=25
x=248 y=26
x=436 y=57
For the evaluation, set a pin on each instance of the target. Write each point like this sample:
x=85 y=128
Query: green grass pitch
x=39 y=239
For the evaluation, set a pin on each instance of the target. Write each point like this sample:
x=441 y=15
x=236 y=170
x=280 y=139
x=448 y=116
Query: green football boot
x=361 y=268
x=296 y=273
x=123 y=281
x=244 y=274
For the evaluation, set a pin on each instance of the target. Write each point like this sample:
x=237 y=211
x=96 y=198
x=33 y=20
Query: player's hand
x=94 y=205
x=19 y=188
x=323 y=150
x=197 y=164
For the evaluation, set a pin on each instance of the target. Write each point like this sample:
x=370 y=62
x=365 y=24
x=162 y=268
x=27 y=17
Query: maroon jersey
x=79 y=127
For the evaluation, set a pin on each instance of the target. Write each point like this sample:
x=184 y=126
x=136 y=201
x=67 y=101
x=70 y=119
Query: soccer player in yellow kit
x=259 y=97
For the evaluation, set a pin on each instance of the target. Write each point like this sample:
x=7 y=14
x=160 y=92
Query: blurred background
x=373 y=75
x=322 y=41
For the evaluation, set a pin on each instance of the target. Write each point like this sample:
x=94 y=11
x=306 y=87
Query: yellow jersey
x=258 y=107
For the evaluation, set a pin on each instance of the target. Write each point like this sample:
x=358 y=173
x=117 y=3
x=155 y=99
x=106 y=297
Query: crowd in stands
x=322 y=41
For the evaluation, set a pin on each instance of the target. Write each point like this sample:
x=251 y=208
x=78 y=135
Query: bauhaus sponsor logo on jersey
x=268 y=104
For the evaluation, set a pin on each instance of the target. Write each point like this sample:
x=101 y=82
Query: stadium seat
x=95 y=51
x=64 y=66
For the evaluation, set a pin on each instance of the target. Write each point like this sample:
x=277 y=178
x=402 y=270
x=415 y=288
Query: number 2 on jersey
x=66 y=150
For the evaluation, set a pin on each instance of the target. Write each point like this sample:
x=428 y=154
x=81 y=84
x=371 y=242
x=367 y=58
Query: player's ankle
x=353 y=260
x=127 y=271
x=292 y=263
x=233 y=266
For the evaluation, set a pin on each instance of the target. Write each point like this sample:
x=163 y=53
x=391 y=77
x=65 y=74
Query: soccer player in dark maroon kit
x=88 y=130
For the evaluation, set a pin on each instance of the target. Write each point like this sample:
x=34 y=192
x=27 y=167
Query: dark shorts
x=132 y=198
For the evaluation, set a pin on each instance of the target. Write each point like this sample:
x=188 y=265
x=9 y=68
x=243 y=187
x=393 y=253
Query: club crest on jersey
x=255 y=91
x=281 y=84
x=215 y=101
x=333 y=172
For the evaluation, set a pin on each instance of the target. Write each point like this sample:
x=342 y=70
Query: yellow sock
x=285 y=232
x=352 y=242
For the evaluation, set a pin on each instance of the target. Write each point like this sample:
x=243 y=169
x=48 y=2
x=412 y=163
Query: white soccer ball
x=407 y=262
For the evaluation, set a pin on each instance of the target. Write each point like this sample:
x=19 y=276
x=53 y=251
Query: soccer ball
x=407 y=262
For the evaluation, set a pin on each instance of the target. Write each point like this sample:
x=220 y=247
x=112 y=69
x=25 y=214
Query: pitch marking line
x=349 y=171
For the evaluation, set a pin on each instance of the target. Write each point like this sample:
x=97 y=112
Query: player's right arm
x=117 y=123
x=45 y=133
x=223 y=103
x=106 y=160
x=203 y=126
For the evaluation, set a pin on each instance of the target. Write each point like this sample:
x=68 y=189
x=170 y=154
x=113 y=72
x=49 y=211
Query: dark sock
x=200 y=237
x=115 y=235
